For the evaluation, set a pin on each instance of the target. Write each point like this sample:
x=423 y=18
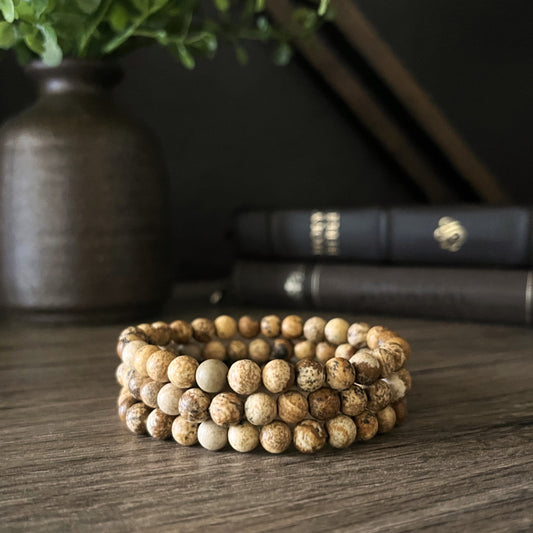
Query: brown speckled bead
x=149 y=391
x=282 y=349
x=212 y=437
x=405 y=376
x=386 y=419
x=357 y=333
x=168 y=399
x=325 y=351
x=309 y=436
x=270 y=326
x=400 y=408
x=203 y=329
x=128 y=353
x=397 y=387
x=377 y=333
x=182 y=371
x=226 y=409
x=141 y=357
x=194 y=405
x=275 y=437
x=379 y=396
x=340 y=374
x=124 y=341
x=214 y=350
x=367 y=367
x=181 y=331
x=244 y=376
x=243 y=437
x=184 y=432
x=324 y=403
x=211 y=375
x=278 y=375
x=336 y=330
x=136 y=417
x=225 y=327
x=304 y=350
x=260 y=409
x=159 y=424
x=134 y=385
x=367 y=426
x=162 y=334
x=405 y=346
x=157 y=365
x=353 y=400
x=342 y=431
x=148 y=330
x=313 y=329
x=310 y=375
x=391 y=358
x=292 y=327
x=248 y=327
x=259 y=351
x=292 y=407
x=124 y=406
x=344 y=350
x=132 y=330
x=237 y=350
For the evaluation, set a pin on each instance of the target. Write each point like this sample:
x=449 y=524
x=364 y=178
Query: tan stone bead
x=386 y=419
x=134 y=385
x=336 y=331
x=237 y=350
x=278 y=375
x=168 y=399
x=136 y=417
x=184 y=432
x=211 y=375
x=120 y=374
x=141 y=357
x=292 y=327
x=148 y=330
x=379 y=396
x=225 y=327
x=260 y=409
x=214 y=350
x=325 y=351
x=400 y=408
x=275 y=437
x=226 y=409
x=181 y=331
x=162 y=334
x=367 y=426
x=212 y=437
x=292 y=407
x=342 y=431
x=243 y=437
x=134 y=331
x=182 y=371
x=305 y=350
x=157 y=365
x=405 y=376
x=309 y=436
x=340 y=374
x=282 y=349
x=313 y=329
x=259 y=351
x=124 y=405
x=203 y=329
x=149 y=391
x=377 y=333
x=367 y=367
x=397 y=387
x=159 y=424
x=123 y=395
x=124 y=341
x=310 y=375
x=353 y=400
x=270 y=326
x=344 y=350
x=391 y=358
x=324 y=403
x=356 y=335
x=248 y=327
x=244 y=376
x=128 y=353
x=194 y=405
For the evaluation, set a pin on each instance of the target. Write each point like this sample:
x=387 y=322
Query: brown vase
x=84 y=229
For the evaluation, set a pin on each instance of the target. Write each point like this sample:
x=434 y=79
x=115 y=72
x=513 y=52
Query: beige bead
x=148 y=331
x=136 y=417
x=342 y=431
x=292 y=327
x=162 y=334
x=225 y=327
x=184 y=432
x=400 y=408
x=237 y=350
x=367 y=426
x=324 y=403
x=157 y=365
x=134 y=385
x=149 y=392
x=214 y=350
x=211 y=376
x=278 y=375
x=194 y=405
x=120 y=374
x=270 y=326
x=159 y=424
x=397 y=387
x=168 y=399
x=353 y=400
x=367 y=367
x=124 y=405
x=260 y=409
x=243 y=437
x=259 y=351
x=292 y=407
x=124 y=341
x=212 y=437
x=310 y=375
x=325 y=351
x=248 y=327
x=391 y=358
x=128 y=353
x=309 y=436
x=141 y=358
x=340 y=374
x=282 y=349
x=182 y=371
x=386 y=419
x=132 y=330
x=226 y=409
x=275 y=437
x=336 y=330
x=344 y=350
x=357 y=333
x=313 y=329
x=203 y=329
x=379 y=396
x=181 y=331
x=376 y=333
x=124 y=394
x=405 y=376
x=244 y=376
x=305 y=350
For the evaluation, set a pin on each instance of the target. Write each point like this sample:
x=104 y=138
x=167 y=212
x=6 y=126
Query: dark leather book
x=475 y=294
x=428 y=235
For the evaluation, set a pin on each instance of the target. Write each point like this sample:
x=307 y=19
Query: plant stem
x=86 y=37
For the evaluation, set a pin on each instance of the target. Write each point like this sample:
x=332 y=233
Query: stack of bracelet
x=271 y=382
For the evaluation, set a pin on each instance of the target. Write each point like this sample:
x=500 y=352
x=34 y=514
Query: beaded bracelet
x=271 y=382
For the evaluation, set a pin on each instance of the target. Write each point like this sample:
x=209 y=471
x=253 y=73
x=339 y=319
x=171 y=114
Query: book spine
x=487 y=295
x=426 y=235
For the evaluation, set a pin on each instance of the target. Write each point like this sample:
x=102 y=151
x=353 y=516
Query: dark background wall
x=264 y=136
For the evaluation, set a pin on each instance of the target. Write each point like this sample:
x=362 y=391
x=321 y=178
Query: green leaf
x=282 y=54
x=142 y=5
x=52 y=54
x=222 y=5
x=260 y=5
x=88 y=6
x=8 y=35
x=8 y=10
x=185 y=57
x=119 y=17
x=39 y=7
x=323 y=7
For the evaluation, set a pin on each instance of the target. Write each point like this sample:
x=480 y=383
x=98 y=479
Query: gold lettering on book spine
x=450 y=234
x=324 y=232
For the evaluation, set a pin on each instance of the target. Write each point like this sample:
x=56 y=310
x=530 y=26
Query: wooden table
x=462 y=461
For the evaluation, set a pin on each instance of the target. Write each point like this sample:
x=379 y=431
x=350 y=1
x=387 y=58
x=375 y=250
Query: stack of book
x=471 y=263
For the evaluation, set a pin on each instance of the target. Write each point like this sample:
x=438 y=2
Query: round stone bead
x=400 y=408
x=379 y=396
x=342 y=431
x=211 y=375
x=324 y=351
x=157 y=365
x=259 y=351
x=226 y=409
x=336 y=330
x=340 y=374
x=132 y=330
x=309 y=436
x=129 y=350
x=278 y=375
x=184 y=432
x=237 y=350
x=377 y=333
x=405 y=346
x=304 y=350
x=248 y=327
x=120 y=374
x=397 y=387
x=282 y=349
x=353 y=400
x=124 y=405
x=203 y=329
x=181 y=331
x=405 y=376
x=123 y=395
x=162 y=334
x=386 y=419
x=244 y=376
x=148 y=331
x=159 y=424
x=136 y=417
x=391 y=358
x=149 y=392
x=367 y=426
x=344 y=350
x=292 y=407
x=324 y=403
x=260 y=409
x=243 y=437
x=141 y=358
x=225 y=327
x=134 y=385
x=357 y=333
x=292 y=327
x=182 y=371
x=367 y=367
x=310 y=375
x=313 y=329
x=212 y=437
x=270 y=326
x=275 y=437
x=194 y=405
x=214 y=350
x=168 y=399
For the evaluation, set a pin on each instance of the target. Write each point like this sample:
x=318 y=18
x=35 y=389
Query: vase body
x=84 y=230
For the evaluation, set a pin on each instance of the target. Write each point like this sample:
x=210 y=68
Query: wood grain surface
x=463 y=460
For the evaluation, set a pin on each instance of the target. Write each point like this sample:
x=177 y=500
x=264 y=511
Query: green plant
x=53 y=29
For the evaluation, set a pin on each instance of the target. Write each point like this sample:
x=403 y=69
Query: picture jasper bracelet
x=271 y=382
